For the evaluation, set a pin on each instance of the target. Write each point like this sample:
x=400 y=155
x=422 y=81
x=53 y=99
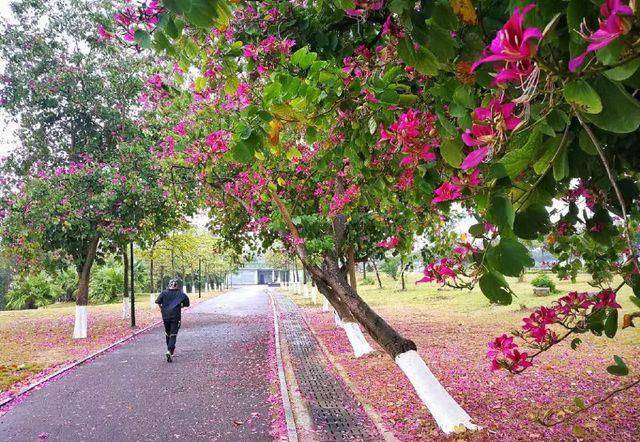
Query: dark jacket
x=172 y=302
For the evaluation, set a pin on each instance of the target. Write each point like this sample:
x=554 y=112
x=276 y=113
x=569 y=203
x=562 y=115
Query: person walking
x=171 y=302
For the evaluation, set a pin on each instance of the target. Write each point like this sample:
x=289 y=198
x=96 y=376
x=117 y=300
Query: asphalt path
x=217 y=388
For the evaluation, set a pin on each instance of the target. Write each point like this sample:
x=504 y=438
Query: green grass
x=453 y=304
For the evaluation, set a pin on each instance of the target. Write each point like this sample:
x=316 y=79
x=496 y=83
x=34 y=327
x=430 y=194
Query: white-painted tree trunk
x=305 y=291
x=152 y=299
x=337 y=319
x=325 y=305
x=126 y=308
x=444 y=408
x=314 y=295
x=80 y=326
x=356 y=339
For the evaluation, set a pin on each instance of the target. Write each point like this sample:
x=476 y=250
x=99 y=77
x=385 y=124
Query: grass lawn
x=38 y=342
x=451 y=329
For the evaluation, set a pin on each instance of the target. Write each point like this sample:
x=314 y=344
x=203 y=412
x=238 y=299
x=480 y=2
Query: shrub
x=66 y=283
x=107 y=281
x=32 y=291
x=543 y=280
x=367 y=281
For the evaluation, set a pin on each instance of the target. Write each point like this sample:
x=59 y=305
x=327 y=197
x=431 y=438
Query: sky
x=7 y=128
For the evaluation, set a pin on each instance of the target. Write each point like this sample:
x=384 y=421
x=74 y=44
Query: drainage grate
x=335 y=413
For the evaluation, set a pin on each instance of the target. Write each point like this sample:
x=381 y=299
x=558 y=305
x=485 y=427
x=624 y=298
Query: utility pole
x=199 y=277
x=133 y=296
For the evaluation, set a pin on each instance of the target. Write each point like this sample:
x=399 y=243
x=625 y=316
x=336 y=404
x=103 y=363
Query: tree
x=342 y=126
x=82 y=181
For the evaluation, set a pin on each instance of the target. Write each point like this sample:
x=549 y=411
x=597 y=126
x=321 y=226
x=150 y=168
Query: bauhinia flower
x=492 y=124
x=514 y=46
x=446 y=192
x=613 y=26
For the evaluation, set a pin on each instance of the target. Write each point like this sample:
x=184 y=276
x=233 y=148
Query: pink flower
x=218 y=141
x=389 y=243
x=513 y=46
x=446 y=192
x=501 y=345
x=474 y=158
x=612 y=27
x=493 y=122
x=519 y=361
x=180 y=128
x=606 y=299
x=103 y=34
x=439 y=271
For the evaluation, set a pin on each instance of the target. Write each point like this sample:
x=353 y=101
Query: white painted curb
x=284 y=391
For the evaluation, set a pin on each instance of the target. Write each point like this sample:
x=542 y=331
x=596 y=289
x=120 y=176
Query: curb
x=75 y=364
x=284 y=392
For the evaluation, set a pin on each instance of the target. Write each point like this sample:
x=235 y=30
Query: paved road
x=216 y=389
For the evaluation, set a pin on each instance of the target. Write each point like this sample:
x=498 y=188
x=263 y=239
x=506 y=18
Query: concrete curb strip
x=75 y=364
x=284 y=392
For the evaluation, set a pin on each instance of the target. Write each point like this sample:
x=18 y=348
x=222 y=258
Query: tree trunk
x=351 y=266
x=375 y=268
x=445 y=410
x=402 y=275
x=82 y=298
x=356 y=338
x=364 y=270
x=151 y=282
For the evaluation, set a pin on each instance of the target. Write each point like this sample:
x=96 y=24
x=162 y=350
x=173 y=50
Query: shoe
x=168 y=354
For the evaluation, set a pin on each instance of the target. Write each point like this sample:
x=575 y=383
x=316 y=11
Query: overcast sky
x=7 y=130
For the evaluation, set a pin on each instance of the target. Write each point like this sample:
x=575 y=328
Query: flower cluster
x=613 y=25
x=439 y=271
x=340 y=200
x=389 y=243
x=571 y=312
x=132 y=18
x=512 y=49
x=490 y=127
x=414 y=136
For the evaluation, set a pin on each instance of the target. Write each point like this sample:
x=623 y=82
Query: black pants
x=171 y=327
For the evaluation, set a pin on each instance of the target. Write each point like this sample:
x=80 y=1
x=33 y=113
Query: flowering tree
x=82 y=175
x=342 y=126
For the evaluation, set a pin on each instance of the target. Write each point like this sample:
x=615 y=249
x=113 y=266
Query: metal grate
x=335 y=413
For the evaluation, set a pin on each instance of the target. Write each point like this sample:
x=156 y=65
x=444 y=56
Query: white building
x=258 y=272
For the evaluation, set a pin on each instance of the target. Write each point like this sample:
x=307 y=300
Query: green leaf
x=451 y=151
x=620 y=368
x=531 y=222
x=463 y=97
x=243 y=152
x=620 y=111
x=477 y=230
x=586 y=144
x=500 y=212
x=548 y=149
x=579 y=403
x=580 y=94
x=496 y=288
x=575 y=342
x=293 y=153
x=517 y=160
x=561 y=164
x=509 y=257
x=142 y=38
x=422 y=59
x=624 y=71
x=611 y=323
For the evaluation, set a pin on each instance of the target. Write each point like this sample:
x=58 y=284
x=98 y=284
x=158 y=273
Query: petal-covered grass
x=38 y=342
x=451 y=329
